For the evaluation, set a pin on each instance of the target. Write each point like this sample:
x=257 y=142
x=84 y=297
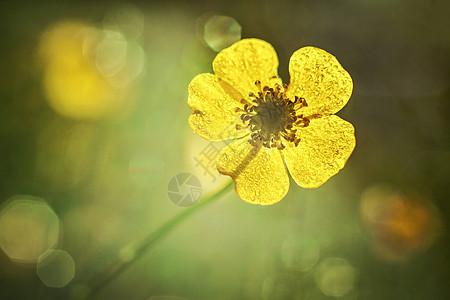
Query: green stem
x=121 y=265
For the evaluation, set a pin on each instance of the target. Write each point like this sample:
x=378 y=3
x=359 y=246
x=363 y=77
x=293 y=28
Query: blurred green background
x=94 y=126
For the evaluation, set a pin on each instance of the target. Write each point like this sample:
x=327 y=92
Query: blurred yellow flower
x=82 y=71
x=276 y=127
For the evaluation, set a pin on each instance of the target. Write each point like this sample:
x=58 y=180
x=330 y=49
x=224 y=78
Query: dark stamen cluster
x=272 y=117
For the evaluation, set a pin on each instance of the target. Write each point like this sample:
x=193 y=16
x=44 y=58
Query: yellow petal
x=259 y=174
x=324 y=148
x=317 y=76
x=246 y=61
x=214 y=117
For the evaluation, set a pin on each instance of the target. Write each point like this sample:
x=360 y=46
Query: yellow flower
x=275 y=127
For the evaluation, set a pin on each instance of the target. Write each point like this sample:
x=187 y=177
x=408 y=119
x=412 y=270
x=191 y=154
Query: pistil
x=272 y=117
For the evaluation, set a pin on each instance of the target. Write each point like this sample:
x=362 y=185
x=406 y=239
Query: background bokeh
x=94 y=126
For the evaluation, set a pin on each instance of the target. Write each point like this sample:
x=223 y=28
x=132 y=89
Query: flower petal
x=259 y=174
x=214 y=117
x=245 y=62
x=317 y=76
x=324 y=148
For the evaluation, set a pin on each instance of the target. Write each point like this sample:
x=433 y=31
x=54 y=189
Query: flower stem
x=121 y=265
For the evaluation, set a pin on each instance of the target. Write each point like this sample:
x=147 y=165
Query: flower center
x=271 y=117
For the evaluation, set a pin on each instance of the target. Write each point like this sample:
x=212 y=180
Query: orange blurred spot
x=401 y=226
